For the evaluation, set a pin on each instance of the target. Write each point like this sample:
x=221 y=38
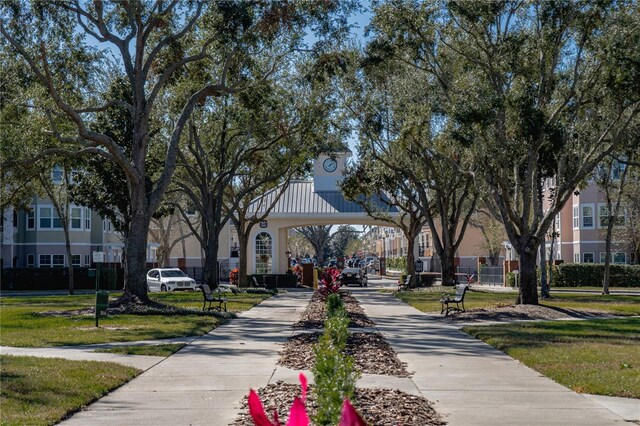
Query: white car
x=169 y=279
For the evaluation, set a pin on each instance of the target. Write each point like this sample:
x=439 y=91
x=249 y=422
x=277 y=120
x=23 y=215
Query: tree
x=629 y=233
x=319 y=237
x=610 y=176
x=537 y=86
x=158 y=45
x=492 y=232
x=380 y=190
x=298 y=245
x=341 y=239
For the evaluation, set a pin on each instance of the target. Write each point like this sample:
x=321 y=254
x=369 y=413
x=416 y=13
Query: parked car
x=169 y=279
x=354 y=276
x=373 y=265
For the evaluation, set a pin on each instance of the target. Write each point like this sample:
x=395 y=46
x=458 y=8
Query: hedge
x=591 y=274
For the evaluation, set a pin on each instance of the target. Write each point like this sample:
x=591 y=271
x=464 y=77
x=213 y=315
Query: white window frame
x=57 y=175
x=77 y=218
x=73 y=262
x=31 y=260
x=584 y=257
x=593 y=216
x=53 y=217
x=576 y=257
x=619 y=253
x=87 y=218
x=31 y=215
x=87 y=260
x=59 y=262
x=576 y=216
x=42 y=264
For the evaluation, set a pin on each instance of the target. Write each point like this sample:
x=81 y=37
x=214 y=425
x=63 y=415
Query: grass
x=597 y=356
x=42 y=391
x=24 y=325
x=147 y=350
x=428 y=301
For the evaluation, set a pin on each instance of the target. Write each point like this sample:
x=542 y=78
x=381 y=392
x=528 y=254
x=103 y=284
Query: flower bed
x=376 y=406
x=371 y=354
x=316 y=313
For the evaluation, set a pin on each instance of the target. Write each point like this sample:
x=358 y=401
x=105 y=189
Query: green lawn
x=42 y=391
x=147 y=350
x=599 y=357
x=24 y=325
x=428 y=301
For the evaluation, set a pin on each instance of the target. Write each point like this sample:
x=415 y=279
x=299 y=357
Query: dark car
x=353 y=276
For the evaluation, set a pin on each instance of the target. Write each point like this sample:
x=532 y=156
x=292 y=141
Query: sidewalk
x=470 y=382
x=203 y=383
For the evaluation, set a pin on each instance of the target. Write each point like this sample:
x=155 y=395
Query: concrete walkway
x=470 y=382
x=203 y=383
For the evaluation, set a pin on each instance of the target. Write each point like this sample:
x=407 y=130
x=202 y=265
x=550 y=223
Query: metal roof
x=300 y=197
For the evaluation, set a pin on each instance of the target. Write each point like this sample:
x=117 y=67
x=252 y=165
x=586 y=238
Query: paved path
x=203 y=383
x=472 y=383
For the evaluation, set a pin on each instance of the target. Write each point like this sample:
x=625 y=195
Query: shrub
x=591 y=274
x=334 y=305
x=333 y=370
x=511 y=279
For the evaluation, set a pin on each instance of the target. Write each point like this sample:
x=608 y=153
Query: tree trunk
x=67 y=244
x=528 y=293
x=607 y=259
x=544 y=287
x=243 y=275
x=136 y=256
x=411 y=258
x=210 y=274
x=447 y=261
x=494 y=257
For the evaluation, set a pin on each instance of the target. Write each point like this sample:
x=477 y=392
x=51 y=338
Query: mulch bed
x=370 y=351
x=521 y=313
x=383 y=407
x=316 y=314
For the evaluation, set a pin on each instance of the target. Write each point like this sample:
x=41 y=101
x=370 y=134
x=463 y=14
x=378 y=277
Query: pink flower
x=350 y=416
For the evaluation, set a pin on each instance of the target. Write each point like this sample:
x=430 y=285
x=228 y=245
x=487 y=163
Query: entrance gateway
x=305 y=203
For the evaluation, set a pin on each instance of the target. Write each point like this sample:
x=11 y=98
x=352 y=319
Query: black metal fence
x=58 y=278
x=491 y=275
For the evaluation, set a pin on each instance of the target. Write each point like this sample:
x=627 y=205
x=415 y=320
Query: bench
x=448 y=300
x=406 y=286
x=255 y=284
x=211 y=297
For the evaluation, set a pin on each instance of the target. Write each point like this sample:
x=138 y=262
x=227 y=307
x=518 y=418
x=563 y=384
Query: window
x=587 y=257
x=31 y=219
x=576 y=257
x=87 y=260
x=58 y=260
x=603 y=257
x=75 y=260
x=264 y=256
x=45 y=261
x=620 y=258
x=576 y=217
x=87 y=219
x=49 y=219
x=603 y=216
x=31 y=260
x=76 y=218
x=587 y=216
x=56 y=175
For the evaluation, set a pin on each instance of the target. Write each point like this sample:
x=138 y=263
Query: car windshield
x=173 y=274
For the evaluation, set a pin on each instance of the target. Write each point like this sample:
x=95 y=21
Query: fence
x=491 y=275
x=58 y=278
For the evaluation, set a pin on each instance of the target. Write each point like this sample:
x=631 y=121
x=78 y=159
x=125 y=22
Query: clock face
x=330 y=165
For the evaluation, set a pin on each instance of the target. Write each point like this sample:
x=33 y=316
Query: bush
x=334 y=305
x=333 y=371
x=511 y=279
x=591 y=274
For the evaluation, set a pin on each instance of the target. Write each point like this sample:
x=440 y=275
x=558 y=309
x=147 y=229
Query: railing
x=491 y=275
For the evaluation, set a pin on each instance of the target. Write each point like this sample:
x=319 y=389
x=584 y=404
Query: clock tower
x=328 y=170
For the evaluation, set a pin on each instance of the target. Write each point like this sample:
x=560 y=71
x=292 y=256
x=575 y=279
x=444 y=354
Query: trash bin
x=102 y=302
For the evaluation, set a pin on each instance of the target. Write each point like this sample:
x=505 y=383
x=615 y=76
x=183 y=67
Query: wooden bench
x=211 y=297
x=448 y=300
x=406 y=285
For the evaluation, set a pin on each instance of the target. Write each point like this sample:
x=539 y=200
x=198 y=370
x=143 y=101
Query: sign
x=98 y=257
x=264 y=224
x=419 y=264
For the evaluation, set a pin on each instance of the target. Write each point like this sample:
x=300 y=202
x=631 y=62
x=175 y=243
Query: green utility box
x=91 y=273
x=102 y=302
